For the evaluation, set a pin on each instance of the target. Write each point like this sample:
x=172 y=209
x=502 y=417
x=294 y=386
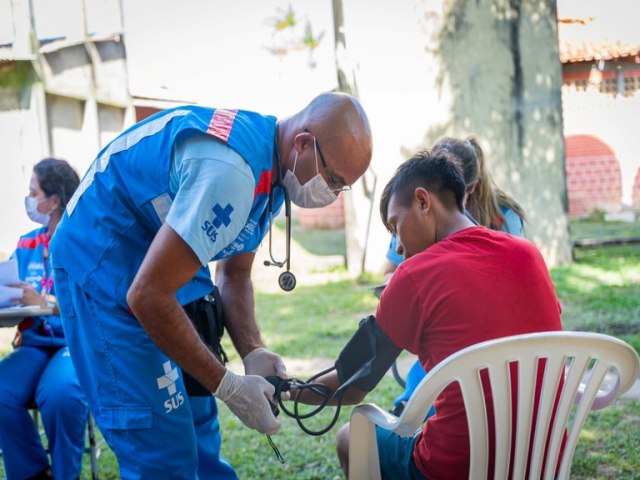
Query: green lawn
x=600 y=291
x=588 y=229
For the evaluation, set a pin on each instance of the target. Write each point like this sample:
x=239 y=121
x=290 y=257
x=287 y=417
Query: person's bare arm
x=168 y=265
x=233 y=278
x=351 y=396
x=389 y=269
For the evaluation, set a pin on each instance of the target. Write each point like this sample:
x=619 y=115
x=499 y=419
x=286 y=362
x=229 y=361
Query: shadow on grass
x=600 y=292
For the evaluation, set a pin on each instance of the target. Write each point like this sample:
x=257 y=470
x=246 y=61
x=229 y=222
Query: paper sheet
x=7 y=293
x=9 y=275
x=9 y=272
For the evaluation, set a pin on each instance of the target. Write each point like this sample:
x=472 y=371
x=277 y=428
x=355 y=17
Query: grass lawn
x=600 y=292
x=587 y=229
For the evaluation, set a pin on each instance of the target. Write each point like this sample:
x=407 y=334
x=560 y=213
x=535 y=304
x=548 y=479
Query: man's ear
x=423 y=198
x=302 y=140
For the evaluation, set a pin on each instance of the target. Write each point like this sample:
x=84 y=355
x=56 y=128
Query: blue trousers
x=48 y=377
x=137 y=394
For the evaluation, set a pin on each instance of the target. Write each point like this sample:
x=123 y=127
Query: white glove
x=264 y=363
x=248 y=398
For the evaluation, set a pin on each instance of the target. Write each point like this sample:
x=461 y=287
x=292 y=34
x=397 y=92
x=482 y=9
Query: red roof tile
x=585 y=50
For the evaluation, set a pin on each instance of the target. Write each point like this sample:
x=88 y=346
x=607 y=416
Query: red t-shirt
x=475 y=285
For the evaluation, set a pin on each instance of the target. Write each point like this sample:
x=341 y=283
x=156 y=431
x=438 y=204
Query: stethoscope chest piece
x=287 y=281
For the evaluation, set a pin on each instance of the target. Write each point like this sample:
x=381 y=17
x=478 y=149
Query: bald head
x=341 y=128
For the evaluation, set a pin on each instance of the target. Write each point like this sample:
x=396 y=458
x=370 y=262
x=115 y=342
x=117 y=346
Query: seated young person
x=441 y=299
x=485 y=202
x=39 y=370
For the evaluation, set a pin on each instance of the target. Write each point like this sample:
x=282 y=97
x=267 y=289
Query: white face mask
x=31 y=205
x=313 y=194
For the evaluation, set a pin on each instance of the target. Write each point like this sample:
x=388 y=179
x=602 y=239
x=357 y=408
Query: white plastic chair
x=584 y=359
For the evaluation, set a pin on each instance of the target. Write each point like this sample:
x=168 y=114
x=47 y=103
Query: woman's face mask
x=31 y=206
x=313 y=194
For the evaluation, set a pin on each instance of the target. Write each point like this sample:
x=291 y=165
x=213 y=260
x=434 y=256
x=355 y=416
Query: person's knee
x=65 y=398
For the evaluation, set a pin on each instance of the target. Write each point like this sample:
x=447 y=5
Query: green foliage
x=608 y=445
x=581 y=229
x=21 y=75
x=600 y=292
x=596 y=216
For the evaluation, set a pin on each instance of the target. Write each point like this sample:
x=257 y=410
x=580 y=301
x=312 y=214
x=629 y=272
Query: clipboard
x=11 y=316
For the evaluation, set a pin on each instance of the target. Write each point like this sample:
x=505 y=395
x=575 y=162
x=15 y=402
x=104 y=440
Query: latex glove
x=264 y=363
x=248 y=398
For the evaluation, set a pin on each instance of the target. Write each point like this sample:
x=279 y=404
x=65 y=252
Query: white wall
x=22 y=143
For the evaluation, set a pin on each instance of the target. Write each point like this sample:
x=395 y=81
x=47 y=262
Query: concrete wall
x=77 y=105
x=23 y=138
x=453 y=67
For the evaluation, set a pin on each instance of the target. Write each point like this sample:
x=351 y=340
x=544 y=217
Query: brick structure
x=594 y=180
x=330 y=217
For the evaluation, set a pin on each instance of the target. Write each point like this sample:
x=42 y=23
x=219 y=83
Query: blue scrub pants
x=137 y=394
x=47 y=376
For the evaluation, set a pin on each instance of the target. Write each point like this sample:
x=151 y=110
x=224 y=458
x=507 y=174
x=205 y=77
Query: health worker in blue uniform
x=174 y=192
x=39 y=371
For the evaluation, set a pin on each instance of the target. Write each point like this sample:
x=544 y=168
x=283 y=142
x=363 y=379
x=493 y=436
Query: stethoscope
x=286 y=280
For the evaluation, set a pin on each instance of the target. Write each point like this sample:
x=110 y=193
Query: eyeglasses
x=333 y=185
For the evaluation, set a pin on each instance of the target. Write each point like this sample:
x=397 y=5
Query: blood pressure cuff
x=366 y=357
x=206 y=315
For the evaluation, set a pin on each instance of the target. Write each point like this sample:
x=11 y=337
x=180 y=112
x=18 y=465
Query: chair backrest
x=574 y=366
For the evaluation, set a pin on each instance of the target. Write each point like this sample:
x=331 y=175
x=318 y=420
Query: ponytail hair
x=485 y=197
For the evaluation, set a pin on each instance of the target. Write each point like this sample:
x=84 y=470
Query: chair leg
x=94 y=446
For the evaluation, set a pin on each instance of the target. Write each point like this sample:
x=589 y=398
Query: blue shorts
x=396 y=456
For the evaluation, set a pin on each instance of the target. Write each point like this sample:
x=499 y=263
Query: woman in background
x=39 y=371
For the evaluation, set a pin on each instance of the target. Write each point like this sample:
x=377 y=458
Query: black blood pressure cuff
x=366 y=357
x=206 y=315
